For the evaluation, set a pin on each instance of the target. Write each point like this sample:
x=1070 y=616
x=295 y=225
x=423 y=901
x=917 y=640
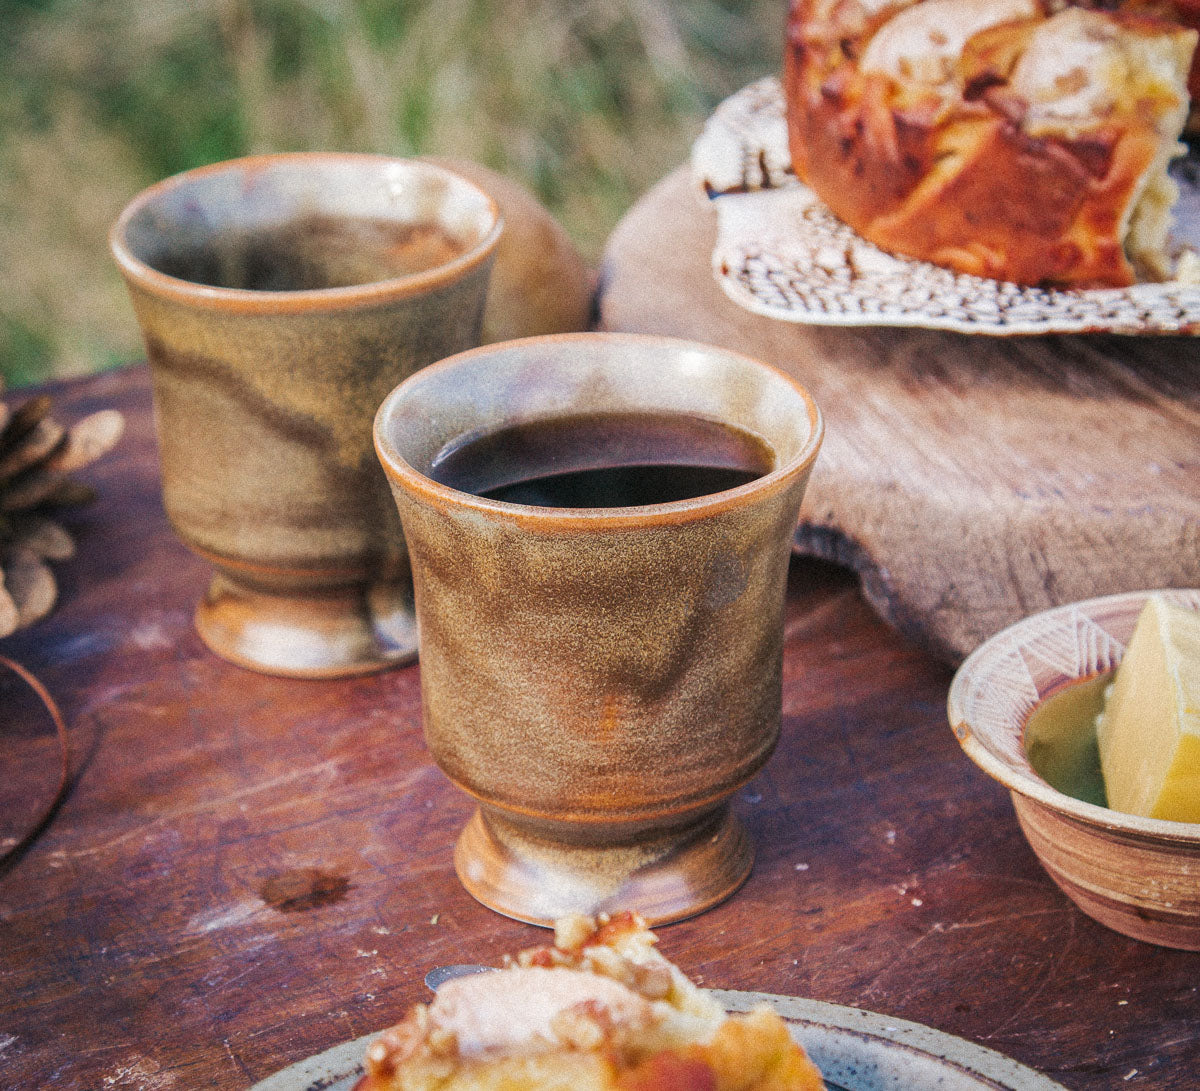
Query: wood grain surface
x=249 y=869
x=970 y=480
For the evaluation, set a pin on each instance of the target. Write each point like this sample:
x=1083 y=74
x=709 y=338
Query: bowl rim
x=1023 y=780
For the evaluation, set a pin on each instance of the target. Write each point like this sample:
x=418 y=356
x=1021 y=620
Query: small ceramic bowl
x=1139 y=876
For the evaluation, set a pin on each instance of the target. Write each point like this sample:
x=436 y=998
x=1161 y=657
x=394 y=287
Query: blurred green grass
x=588 y=102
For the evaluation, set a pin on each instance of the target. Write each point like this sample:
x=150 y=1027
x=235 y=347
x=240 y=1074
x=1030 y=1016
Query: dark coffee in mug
x=607 y=460
x=311 y=252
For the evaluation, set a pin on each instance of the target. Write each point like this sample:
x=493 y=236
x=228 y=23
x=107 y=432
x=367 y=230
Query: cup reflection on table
x=281 y=298
x=600 y=678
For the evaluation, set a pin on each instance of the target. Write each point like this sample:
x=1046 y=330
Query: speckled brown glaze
x=264 y=399
x=601 y=680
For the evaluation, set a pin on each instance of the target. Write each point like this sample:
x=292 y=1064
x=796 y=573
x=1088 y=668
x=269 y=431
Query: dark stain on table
x=303 y=888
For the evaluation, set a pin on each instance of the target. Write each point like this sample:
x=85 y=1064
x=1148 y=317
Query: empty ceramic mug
x=281 y=298
x=599 y=527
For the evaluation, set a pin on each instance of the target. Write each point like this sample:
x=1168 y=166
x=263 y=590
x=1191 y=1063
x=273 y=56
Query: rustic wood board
x=969 y=480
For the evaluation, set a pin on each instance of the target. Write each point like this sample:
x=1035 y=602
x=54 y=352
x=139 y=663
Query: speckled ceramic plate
x=855 y=1050
x=781 y=253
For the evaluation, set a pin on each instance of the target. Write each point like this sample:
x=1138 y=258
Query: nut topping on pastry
x=600 y=1010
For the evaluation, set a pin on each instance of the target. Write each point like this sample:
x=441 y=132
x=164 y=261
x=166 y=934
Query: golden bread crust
x=1184 y=12
x=986 y=135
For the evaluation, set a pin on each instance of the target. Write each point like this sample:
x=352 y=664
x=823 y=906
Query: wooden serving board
x=969 y=480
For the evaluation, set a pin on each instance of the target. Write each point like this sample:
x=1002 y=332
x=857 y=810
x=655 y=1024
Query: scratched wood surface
x=970 y=480
x=250 y=870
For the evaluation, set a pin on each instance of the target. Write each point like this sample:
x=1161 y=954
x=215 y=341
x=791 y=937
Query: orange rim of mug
x=572 y=519
x=248 y=300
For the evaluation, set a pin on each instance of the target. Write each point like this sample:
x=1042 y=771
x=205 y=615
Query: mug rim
x=671 y=512
x=256 y=301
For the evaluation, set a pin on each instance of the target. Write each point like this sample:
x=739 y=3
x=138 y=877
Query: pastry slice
x=600 y=1010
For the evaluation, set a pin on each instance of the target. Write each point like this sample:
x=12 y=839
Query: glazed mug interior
x=281 y=298
x=601 y=679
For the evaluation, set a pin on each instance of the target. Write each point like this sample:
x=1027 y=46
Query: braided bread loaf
x=996 y=137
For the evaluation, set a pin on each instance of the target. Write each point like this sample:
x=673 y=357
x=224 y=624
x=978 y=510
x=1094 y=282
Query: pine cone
x=36 y=456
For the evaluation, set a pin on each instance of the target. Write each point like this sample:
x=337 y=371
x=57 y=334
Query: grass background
x=588 y=102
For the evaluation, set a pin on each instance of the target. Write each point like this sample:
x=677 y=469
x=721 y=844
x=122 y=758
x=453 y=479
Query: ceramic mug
x=601 y=680
x=281 y=297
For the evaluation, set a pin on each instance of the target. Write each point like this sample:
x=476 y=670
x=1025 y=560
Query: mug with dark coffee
x=281 y=297
x=599 y=527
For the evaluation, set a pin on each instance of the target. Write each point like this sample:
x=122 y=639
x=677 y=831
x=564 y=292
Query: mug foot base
x=664 y=880
x=327 y=634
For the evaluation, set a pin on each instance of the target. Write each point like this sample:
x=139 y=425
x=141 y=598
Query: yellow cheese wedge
x=1149 y=732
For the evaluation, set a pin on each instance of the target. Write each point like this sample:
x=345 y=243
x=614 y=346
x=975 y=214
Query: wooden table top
x=249 y=870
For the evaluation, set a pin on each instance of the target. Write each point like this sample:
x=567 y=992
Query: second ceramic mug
x=601 y=679
x=281 y=297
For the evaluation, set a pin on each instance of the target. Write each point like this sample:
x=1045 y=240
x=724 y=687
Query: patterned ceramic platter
x=781 y=253
x=998 y=685
x=855 y=1050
